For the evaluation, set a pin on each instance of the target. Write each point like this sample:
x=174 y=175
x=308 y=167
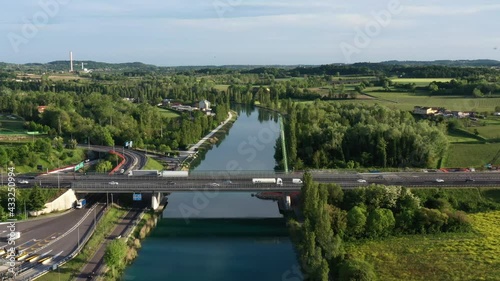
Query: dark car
x=469 y=180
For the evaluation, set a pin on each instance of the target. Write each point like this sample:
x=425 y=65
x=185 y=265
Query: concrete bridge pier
x=286 y=201
x=156 y=199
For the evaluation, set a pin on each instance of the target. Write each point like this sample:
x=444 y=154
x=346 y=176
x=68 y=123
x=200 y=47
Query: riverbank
x=214 y=137
x=146 y=224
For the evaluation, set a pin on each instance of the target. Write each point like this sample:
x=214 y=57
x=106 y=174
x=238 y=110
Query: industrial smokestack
x=71 y=61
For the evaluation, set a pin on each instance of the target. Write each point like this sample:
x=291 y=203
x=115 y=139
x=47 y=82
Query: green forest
x=333 y=217
x=331 y=135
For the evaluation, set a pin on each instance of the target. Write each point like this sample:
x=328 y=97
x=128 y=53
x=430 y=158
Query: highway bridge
x=242 y=181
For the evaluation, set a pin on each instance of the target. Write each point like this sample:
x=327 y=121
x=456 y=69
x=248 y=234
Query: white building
x=204 y=105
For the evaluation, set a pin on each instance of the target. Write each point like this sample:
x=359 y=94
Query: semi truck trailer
x=277 y=181
x=174 y=174
x=144 y=173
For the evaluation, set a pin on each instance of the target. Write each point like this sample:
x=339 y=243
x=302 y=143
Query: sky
x=248 y=32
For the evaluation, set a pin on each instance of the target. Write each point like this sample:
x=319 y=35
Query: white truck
x=277 y=181
x=174 y=174
x=297 y=181
x=80 y=203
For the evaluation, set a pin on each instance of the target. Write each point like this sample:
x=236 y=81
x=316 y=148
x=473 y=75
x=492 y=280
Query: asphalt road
x=56 y=237
x=196 y=183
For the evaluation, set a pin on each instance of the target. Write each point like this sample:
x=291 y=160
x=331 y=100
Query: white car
x=113 y=183
x=23 y=181
x=439 y=180
x=361 y=180
x=214 y=184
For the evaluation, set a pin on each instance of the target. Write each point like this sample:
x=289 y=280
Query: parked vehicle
x=277 y=181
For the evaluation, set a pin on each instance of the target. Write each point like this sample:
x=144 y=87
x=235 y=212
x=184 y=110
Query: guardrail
x=77 y=250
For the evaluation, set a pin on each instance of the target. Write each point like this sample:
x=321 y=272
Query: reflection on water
x=223 y=236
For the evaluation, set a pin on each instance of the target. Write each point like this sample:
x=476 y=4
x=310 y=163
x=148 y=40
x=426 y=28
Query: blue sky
x=222 y=32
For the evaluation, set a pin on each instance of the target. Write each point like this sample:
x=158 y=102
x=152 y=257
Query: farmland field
x=11 y=125
x=407 y=101
x=471 y=155
x=454 y=256
x=491 y=130
x=419 y=81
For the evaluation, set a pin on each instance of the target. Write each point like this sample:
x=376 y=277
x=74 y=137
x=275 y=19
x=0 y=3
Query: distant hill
x=484 y=62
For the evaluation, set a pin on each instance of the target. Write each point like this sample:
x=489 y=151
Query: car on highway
x=23 y=182
x=439 y=180
x=469 y=180
x=228 y=182
x=214 y=184
x=113 y=183
x=361 y=180
x=170 y=183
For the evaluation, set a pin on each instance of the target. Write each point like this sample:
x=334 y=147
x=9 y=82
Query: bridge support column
x=156 y=198
x=287 y=201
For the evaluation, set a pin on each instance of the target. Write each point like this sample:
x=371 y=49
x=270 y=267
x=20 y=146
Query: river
x=223 y=235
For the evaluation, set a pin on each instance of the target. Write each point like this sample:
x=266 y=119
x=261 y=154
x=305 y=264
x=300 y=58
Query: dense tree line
x=106 y=119
x=467 y=87
x=332 y=216
x=331 y=135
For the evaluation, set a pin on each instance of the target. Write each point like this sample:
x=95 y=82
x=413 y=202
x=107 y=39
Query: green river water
x=225 y=235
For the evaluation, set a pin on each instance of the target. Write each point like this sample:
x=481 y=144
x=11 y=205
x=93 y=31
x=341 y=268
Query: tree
x=115 y=254
x=36 y=200
x=357 y=270
x=380 y=223
x=477 y=93
x=356 y=221
x=104 y=166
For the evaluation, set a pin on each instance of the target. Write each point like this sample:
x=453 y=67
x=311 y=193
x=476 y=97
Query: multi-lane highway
x=53 y=237
x=243 y=182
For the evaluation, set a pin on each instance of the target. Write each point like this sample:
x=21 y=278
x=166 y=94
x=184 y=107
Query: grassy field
x=153 y=165
x=491 y=130
x=73 y=267
x=10 y=125
x=407 y=101
x=456 y=256
x=72 y=157
x=471 y=155
x=221 y=87
x=419 y=81
x=168 y=113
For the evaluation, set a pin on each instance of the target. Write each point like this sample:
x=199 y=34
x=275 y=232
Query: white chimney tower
x=71 y=61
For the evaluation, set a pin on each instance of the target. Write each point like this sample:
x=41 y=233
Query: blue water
x=223 y=236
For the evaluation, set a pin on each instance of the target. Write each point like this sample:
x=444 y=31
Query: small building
x=459 y=114
x=421 y=110
x=41 y=108
x=204 y=105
